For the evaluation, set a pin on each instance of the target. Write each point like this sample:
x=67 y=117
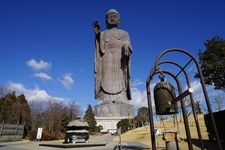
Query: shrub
x=32 y=135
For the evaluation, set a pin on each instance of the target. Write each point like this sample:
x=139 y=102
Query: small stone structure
x=77 y=131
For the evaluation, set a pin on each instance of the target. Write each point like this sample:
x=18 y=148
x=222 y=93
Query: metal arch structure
x=156 y=70
x=150 y=106
x=191 y=98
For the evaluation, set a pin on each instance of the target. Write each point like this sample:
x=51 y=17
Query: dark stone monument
x=77 y=131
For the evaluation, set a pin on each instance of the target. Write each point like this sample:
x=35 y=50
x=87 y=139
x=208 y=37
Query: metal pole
x=209 y=107
x=184 y=112
x=150 y=116
x=119 y=138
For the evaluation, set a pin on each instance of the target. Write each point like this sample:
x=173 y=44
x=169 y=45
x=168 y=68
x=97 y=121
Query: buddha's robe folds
x=112 y=67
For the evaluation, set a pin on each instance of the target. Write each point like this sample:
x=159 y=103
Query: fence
x=11 y=132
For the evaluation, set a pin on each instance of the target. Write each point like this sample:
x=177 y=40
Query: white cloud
x=198 y=92
x=35 y=94
x=37 y=66
x=137 y=83
x=196 y=86
x=43 y=75
x=67 y=81
x=199 y=95
x=139 y=97
x=192 y=68
x=17 y=87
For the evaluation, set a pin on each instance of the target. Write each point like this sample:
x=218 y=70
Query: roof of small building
x=77 y=131
x=77 y=123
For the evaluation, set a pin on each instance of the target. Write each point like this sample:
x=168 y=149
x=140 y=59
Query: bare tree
x=70 y=112
x=53 y=116
x=198 y=107
x=187 y=105
x=218 y=102
x=37 y=110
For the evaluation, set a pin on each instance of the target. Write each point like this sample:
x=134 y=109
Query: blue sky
x=47 y=46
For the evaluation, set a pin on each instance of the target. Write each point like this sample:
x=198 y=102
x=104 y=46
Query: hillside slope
x=142 y=134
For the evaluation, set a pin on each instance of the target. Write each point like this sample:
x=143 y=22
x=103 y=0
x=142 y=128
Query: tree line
x=15 y=110
x=52 y=116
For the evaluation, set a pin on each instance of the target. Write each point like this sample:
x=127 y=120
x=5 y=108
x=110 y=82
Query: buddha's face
x=112 y=20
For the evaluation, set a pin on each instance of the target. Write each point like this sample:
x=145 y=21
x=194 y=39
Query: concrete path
x=107 y=139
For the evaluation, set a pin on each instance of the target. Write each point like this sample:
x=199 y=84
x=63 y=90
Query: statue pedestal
x=108 y=114
x=108 y=123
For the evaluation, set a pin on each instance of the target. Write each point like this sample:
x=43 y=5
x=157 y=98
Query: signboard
x=39 y=133
x=157 y=132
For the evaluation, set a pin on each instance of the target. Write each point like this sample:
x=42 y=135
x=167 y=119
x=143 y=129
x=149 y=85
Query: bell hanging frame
x=156 y=70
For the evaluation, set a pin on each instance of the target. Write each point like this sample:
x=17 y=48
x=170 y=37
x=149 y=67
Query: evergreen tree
x=90 y=118
x=143 y=115
x=212 y=62
x=124 y=125
x=15 y=109
x=23 y=113
x=7 y=108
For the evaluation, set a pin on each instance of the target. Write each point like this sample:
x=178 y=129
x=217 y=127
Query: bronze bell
x=164 y=95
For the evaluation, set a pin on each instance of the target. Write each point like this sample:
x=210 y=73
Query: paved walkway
x=34 y=145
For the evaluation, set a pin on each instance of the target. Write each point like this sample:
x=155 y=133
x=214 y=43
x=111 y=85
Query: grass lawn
x=142 y=134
